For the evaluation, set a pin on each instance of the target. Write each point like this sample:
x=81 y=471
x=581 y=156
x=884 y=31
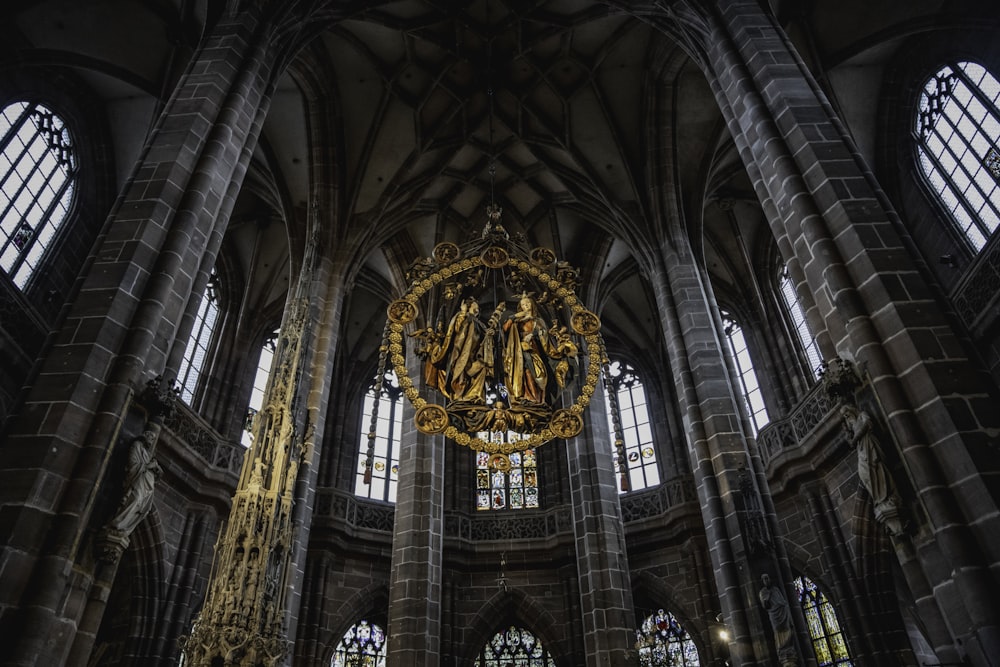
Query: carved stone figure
x=872 y=471
x=140 y=479
x=779 y=614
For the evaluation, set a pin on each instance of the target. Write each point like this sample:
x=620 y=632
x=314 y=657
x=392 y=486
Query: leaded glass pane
x=515 y=488
x=640 y=463
x=514 y=647
x=260 y=378
x=798 y=317
x=662 y=641
x=828 y=640
x=196 y=351
x=378 y=457
x=748 y=376
x=957 y=131
x=363 y=645
x=37 y=179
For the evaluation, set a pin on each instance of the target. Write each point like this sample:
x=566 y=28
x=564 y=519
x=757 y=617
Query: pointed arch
x=370 y=603
x=514 y=606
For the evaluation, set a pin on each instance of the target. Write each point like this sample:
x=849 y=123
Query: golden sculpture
x=505 y=381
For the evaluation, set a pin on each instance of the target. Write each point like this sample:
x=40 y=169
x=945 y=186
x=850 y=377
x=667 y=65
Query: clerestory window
x=378 y=457
x=264 y=363
x=196 y=352
x=798 y=321
x=748 y=376
x=957 y=135
x=38 y=175
x=626 y=402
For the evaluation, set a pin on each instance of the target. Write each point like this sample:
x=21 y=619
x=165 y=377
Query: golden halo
x=495 y=257
x=585 y=323
x=431 y=419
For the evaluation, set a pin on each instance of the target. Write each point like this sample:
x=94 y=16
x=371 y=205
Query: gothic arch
x=371 y=603
x=514 y=606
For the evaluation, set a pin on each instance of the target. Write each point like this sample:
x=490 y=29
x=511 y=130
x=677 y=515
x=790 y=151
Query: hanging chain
x=611 y=388
x=383 y=354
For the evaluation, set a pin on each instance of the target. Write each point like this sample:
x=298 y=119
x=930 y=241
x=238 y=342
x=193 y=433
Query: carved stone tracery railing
x=785 y=434
x=657 y=501
x=977 y=294
x=201 y=439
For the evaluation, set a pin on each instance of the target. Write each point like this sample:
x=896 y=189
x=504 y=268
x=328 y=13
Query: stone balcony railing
x=201 y=439
x=977 y=294
x=783 y=435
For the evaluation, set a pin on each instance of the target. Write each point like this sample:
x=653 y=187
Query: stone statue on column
x=872 y=470
x=780 y=615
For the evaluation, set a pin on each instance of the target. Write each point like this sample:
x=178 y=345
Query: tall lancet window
x=798 y=321
x=635 y=460
x=363 y=645
x=662 y=640
x=196 y=351
x=748 y=376
x=264 y=363
x=957 y=132
x=378 y=458
x=824 y=626
x=38 y=170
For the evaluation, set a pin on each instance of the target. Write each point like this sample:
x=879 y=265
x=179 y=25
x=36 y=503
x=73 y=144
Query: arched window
x=363 y=645
x=264 y=363
x=662 y=641
x=958 y=146
x=502 y=488
x=637 y=430
x=38 y=170
x=378 y=458
x=748 y=377
x=201 y=336
x=798 y=319
x=824 y=627
x=514 y=646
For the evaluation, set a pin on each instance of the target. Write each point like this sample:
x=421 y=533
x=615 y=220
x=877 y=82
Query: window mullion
x=961 y=163
x=43 y=220
x=26 y=180
x=16 y=126
x=959 y=195
x=975 y=90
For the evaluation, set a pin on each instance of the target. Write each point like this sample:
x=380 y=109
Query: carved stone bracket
x=840 y=379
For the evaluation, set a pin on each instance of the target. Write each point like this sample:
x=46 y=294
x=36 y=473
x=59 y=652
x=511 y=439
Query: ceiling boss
x=504 y=343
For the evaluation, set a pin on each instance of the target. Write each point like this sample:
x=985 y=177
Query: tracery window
x=824 y=626
x=378 y=459
x=748 y=376
x=38 y=169
x=196 y=351
x=514 y=646
x=798 y=318
x=625 y=389
x=957 y=132
x=363 y=645
x=661 y=640
x=264 y=363
x=515 y=488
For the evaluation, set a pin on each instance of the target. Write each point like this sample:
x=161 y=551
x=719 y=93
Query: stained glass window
x=514 y=646
x=637 y=430
x=748 y=376
x=259 y=385
x=38 y=170
x=503 y=488
x=201 y=335
x=794 y=310
x=824 y=627
x=662 y=641
x=378 y=477
x=363 y=645
x=957 y=131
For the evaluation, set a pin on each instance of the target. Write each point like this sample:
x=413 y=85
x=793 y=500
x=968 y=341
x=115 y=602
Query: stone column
x=738 y=516
x=414 y=634
x=878 y=306
x=117 y=331
x=601 y=559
